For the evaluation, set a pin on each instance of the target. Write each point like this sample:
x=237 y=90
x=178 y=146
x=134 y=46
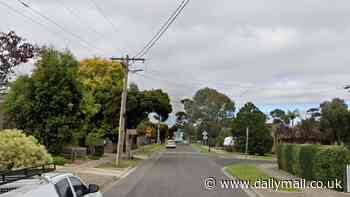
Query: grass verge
x=147 y=150
x=251 y=173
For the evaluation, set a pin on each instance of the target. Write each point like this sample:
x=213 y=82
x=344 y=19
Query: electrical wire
x=32 y=20
x=162 y=30
x=82 y=21
x=99 y=9
x=62 y=28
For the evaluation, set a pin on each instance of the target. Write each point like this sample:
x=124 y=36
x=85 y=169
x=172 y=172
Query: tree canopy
x=47 y=104
x=260 y=139
x=13 y=51
x=335 y=118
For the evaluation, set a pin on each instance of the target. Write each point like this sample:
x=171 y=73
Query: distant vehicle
x=46 y=185
x=229 y=141
x=170 y=144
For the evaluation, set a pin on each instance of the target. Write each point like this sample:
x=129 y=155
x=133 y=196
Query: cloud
x=262 y=51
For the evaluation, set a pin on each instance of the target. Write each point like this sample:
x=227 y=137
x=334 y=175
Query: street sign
x=205 y=133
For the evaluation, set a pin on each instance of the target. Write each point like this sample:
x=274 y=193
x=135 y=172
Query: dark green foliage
x=306 y=156
x=49 y=106
x=314 y=162
x=59 y=160
x=330 y=163
x=260 y=140
x=289 y=157
x=99 y=151
x=335 y=119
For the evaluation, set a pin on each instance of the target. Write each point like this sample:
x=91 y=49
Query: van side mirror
x=93 y=188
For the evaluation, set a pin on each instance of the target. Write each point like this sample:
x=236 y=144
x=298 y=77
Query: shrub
x=59 y=160
x=314 y=162
x=330 y=163
x=279 y=154
x=296 y=159
x=18 y=150
x=306 y=158
x=99 y=151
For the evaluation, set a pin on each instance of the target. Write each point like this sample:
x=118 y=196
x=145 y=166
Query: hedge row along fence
x=313 y=162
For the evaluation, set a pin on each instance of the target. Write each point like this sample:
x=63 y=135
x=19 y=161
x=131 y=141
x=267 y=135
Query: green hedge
x=306 y=156
x=313 y=162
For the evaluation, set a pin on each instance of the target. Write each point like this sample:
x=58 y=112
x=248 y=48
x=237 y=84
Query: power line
x=73 y=13
x=99 y=9
x=62 y=28
x=162 y=30
x=31 y=19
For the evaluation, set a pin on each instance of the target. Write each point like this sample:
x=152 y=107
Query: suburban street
x=173 y=173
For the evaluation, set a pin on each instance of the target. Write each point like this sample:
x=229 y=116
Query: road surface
x=174 y=173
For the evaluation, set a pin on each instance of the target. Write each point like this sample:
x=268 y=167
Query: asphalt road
x=174 y=173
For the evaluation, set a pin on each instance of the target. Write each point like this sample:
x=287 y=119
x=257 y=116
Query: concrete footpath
x=91 y=174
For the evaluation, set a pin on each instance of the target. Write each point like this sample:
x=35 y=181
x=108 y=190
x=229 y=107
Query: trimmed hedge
x=313 y=162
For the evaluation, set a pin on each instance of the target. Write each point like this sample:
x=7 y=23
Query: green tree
x=212 y=108
x=279 y=116
x=141 y=103
x=292 y=115
x=52 y=100
x=260 y=139
x=335 y=119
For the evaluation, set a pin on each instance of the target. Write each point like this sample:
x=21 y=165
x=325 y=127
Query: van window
x=63 y=188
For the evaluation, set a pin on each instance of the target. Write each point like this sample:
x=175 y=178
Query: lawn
x=204 y=149
x=252 y=173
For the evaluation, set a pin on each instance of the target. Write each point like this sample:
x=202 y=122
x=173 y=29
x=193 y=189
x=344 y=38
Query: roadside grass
x=204 y=149
x=251 y=173
x=267 y=156
x=147 y=150
x=123 y=164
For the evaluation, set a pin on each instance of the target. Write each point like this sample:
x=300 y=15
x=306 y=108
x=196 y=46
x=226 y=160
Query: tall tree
x=279 y=116
x=210 y=107
x=102 y=82
x=335 y=119
x=292 y=115
x=52 y=101
x=13 y=51
x=260 y=139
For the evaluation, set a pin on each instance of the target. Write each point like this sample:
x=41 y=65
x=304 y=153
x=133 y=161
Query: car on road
x=171 y=144
x=50 y=185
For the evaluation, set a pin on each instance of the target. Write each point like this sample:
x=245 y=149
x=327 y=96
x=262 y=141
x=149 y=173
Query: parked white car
x=50 y=185
x=171 y=144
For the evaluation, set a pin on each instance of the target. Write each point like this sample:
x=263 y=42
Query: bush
x=295 y=167
x=18 y=150
x=330 y=163
x=59 y=160
x=99 y=151
x=306 y=156
x=314 y=162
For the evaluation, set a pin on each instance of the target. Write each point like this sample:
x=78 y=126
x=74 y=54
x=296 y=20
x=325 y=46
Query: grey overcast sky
x=271 y=52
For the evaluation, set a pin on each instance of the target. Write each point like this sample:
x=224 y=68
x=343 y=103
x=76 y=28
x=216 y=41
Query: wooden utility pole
x=121 y=131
